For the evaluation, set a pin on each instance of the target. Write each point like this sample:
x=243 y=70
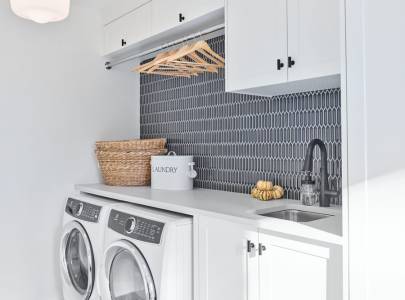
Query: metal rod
x=110 y=64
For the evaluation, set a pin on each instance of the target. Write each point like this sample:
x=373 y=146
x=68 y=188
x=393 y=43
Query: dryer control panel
x=83 y=210
x=136 y=227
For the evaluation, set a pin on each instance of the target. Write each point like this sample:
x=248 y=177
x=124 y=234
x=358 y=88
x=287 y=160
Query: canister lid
x=307 y=180
x=173 y=155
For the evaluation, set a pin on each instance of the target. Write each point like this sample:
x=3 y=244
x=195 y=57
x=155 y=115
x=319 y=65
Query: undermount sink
x=295 y=215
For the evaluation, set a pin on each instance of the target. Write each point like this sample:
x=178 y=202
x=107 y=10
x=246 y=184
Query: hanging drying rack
x=208 y=33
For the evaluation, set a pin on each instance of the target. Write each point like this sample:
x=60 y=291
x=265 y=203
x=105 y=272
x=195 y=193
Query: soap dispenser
x=308 y=193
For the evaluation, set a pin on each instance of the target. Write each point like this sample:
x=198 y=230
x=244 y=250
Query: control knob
x=130 y=224
x=78 y=209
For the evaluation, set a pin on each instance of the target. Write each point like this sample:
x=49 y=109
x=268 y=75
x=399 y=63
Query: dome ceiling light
x=41 y=11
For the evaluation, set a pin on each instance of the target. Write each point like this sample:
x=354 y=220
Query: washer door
x=127 y=273
x=77 y=261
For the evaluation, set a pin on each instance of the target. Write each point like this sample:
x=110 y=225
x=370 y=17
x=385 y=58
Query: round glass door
x=78 y=259
x=129 y=275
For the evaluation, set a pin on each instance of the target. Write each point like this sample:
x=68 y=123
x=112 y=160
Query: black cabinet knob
x=181 y=17
x=123 y=42
x=291 y=62
x=280 y=65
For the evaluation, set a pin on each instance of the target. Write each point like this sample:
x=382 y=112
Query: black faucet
x=325 y=193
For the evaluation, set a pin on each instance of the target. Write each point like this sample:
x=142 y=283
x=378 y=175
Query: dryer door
x=77 y=261
x=127 y=273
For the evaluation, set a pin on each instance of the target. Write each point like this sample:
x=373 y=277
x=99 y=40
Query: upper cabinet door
x=197 y=8
x=113 y=10
x=292 y=270
x=313 y=38
x=256 y=43
x=171 y=13
x=128 y=29
x=166 y=14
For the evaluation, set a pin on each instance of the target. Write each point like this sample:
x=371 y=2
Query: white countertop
x=231 y=206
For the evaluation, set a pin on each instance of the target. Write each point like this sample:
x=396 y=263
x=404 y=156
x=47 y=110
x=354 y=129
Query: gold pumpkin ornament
x=265 y=190
x=264 y=185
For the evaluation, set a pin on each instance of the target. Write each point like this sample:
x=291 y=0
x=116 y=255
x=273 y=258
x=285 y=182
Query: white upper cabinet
x=256 y=43
x=198 y=8
x=129 y=29
x=142 y=23
x=282 y=46
x=167 y=14
x=171 y=13
x=313 y=38
x=114 y=9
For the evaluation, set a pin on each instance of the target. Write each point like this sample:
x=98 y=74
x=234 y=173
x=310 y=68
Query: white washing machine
x=84 y=223
x=148 y=255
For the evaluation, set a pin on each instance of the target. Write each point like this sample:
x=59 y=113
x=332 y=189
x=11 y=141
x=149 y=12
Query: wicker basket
x=127 y=168
x=131 y=145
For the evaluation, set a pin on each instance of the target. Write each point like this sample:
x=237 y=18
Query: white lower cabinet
x=225 y=269
x=290 y=270
x=236 y=262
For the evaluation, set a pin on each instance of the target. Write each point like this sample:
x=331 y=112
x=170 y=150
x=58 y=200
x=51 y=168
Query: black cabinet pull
x=280 y=65
x=123 y=42
x=262 y=248
x=291 y=62
x=181 y=17
x=250 y=246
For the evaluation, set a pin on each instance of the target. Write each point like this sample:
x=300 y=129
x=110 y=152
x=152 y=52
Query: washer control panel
x=135 y=227
x=83 y=210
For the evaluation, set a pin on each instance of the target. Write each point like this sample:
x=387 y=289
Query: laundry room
x=202 y=150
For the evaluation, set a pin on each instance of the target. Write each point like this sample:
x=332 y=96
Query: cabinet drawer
x=128 y=29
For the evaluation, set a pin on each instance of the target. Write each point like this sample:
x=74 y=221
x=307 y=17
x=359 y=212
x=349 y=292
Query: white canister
x=173 y=172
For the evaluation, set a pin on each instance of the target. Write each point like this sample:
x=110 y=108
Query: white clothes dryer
x=148 y=255
x=81 y=246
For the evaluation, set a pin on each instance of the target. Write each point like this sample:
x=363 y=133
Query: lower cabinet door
x=290 y=270
x=227 y=260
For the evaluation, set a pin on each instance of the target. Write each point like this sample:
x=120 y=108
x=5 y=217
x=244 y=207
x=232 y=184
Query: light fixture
x=41 y=11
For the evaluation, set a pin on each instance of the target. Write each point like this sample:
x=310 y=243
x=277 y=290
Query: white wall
x=56 y=100
x=376 y=147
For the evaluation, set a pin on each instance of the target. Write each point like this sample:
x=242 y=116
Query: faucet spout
x=325 y=193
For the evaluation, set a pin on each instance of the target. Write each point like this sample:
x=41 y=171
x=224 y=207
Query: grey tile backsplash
x=239 y=139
